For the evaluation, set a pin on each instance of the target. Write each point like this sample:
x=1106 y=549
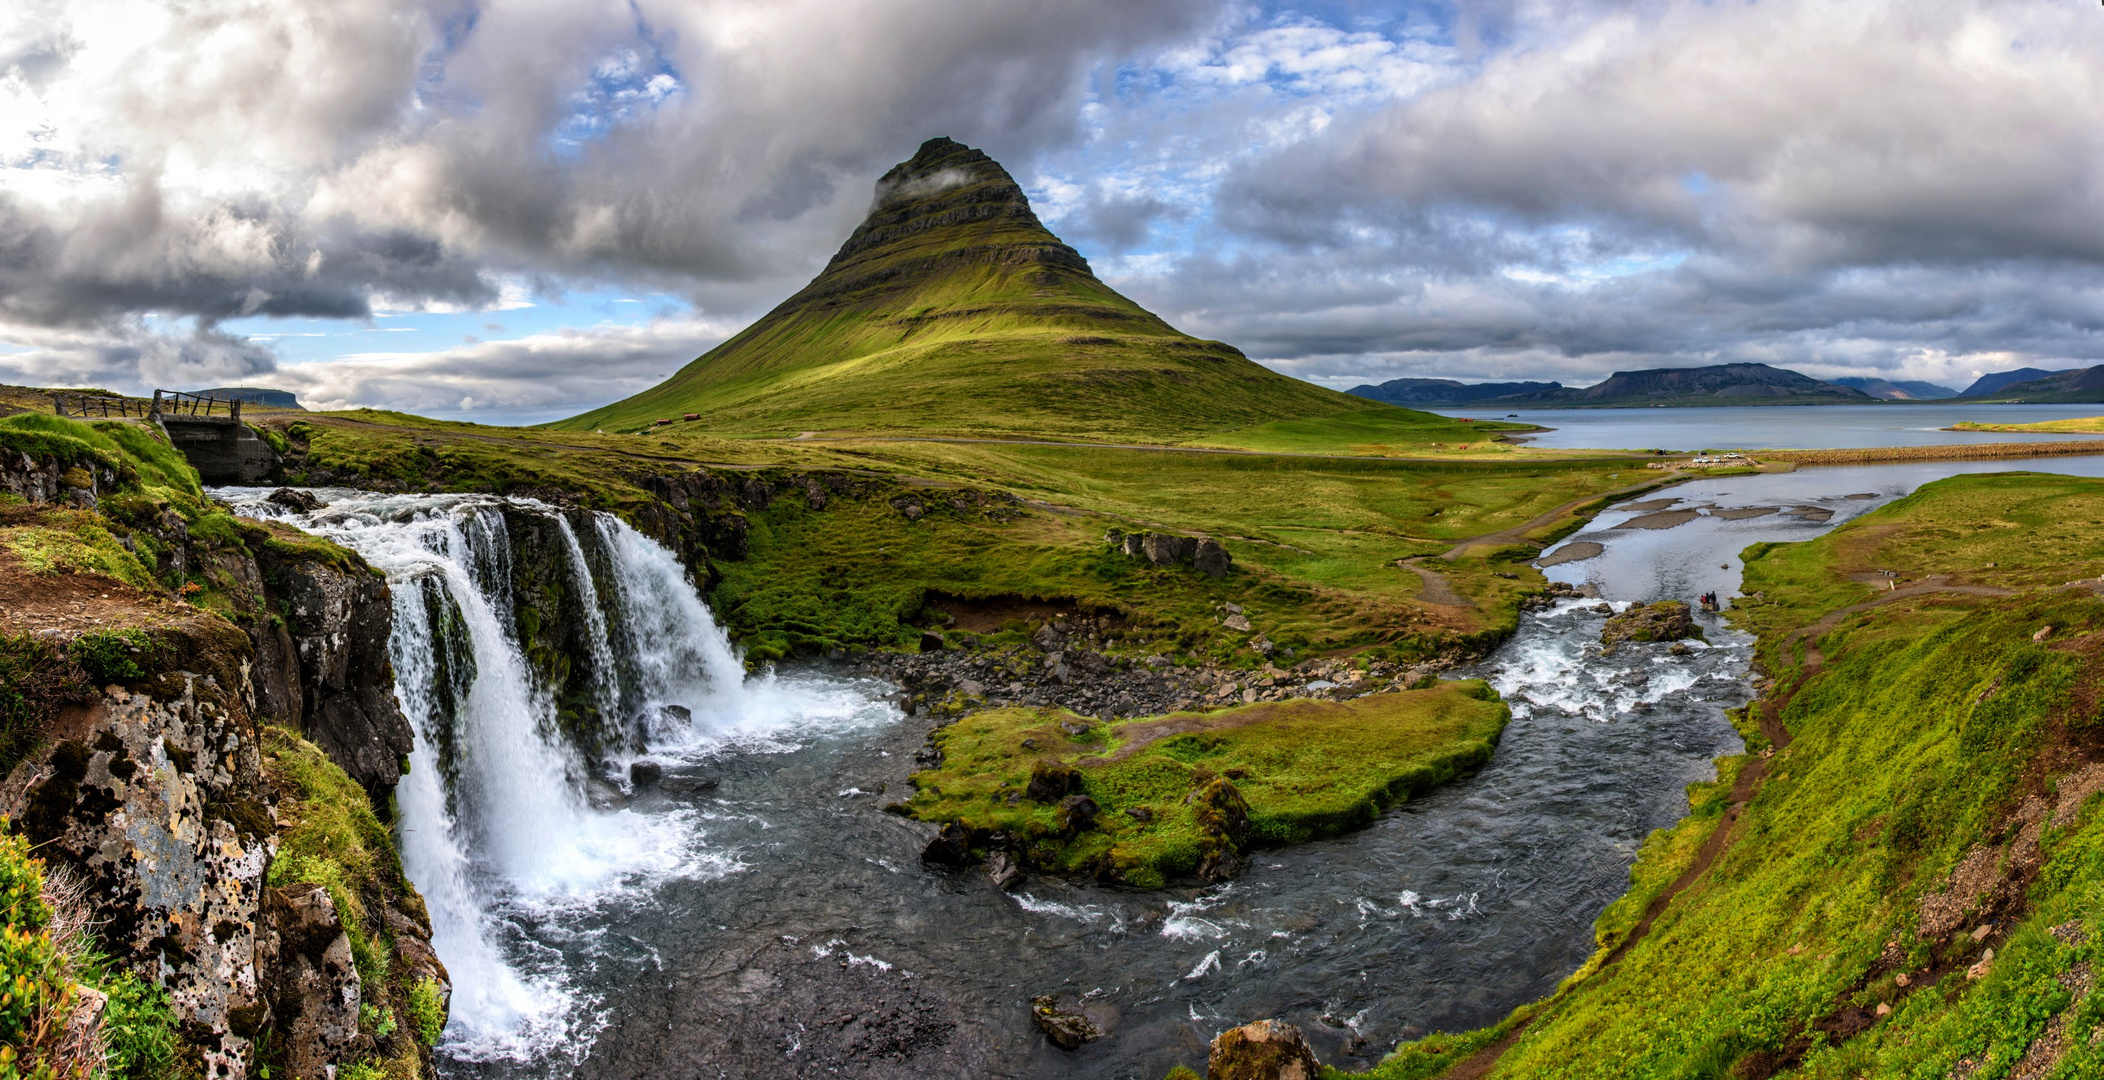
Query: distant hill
x=1886 y=390
x=1989 y=384
x=1447 y=391
x=254 y=395
x=952 y=310
x=2060 y=387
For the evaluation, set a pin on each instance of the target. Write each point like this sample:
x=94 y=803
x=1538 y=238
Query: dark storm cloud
x=1843 y=187
x=309 y=157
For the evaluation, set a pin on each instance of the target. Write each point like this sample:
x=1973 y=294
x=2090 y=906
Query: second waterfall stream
x=537 y=652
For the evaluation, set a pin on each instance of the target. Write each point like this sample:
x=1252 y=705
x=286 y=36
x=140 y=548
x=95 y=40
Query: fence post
x=237 y=410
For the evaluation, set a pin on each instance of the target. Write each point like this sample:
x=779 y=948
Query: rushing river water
x=737 y=925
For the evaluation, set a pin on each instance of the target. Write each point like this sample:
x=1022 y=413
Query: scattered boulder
x=1211 y=559
x=931 y=641
x=1049 y=638
x=1238 y=623
x=1077 y=814
x=1065 y=1021
x=645 y=773
x=1164 y=550
x=303 y=502
x=1667 y=620
x=1003 y=870
x=951 y=847
x=1051 y=781
x=1265 y=1050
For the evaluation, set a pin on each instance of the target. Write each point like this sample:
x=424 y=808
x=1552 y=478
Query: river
x=757 y=915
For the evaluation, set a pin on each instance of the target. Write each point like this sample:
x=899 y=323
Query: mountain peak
x=952 y=200
x=952 y=309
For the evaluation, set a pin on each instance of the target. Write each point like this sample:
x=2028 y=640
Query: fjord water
x=734 y=930
x=1780 y=427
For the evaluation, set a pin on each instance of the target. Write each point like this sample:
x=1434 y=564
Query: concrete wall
x=222 y=451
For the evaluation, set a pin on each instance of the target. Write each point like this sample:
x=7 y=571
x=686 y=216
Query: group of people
x=1709 y=601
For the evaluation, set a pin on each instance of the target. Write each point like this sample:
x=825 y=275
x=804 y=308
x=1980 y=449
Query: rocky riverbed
x=1067 y=664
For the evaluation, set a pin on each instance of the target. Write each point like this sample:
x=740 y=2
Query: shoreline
x=1942 y=452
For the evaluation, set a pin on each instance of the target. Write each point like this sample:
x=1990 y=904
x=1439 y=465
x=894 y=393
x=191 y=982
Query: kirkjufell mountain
x=952 y=309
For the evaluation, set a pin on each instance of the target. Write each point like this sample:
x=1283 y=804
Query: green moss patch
x=1169 y=788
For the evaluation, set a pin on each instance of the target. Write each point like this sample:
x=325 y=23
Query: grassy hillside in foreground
x=953 y=311
x=1915 y=887
x=1175 y=790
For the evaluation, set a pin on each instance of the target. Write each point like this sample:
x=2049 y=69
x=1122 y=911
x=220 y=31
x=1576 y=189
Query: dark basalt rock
x=1068 y=1022
x=952 y=847
x=645 y=773
x=1077 y=814
x=1667 y=620
x=1051 y=781
x=296 y=500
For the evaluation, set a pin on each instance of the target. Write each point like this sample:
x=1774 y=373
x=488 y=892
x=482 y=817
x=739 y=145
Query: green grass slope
x=1915 y=885
x=951 y=310
x=1296 y=770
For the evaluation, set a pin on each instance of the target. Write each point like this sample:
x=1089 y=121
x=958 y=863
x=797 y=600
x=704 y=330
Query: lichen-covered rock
x=1667 y=620
x=1265 y=1050
x=150 y=794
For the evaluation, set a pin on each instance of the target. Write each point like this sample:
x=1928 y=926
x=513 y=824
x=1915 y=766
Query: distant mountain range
x=1988 y=384
x=1887 y=390
x=1739 y=384
x=2037 y=386
x=1721 y=384
x=254 y=395
x=1449 y=392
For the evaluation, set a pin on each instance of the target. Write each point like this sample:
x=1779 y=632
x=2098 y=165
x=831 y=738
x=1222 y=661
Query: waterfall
x=494 y=810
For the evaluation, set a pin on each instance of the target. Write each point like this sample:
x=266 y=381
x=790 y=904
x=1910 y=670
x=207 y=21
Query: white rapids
x=496 y=828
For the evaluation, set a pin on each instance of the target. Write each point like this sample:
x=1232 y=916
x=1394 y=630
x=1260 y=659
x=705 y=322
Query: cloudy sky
x=518 y=209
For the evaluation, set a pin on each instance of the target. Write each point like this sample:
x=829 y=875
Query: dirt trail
x=1479 y=1065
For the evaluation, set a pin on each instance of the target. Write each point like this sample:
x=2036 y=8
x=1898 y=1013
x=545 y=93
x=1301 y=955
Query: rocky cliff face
x=154 y=794
x=156 y=776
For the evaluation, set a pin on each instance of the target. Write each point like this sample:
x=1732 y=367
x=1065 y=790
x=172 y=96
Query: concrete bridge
x=207 y=430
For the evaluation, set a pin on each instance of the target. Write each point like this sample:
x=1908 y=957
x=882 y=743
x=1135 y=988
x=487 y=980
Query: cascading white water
x=493 y=811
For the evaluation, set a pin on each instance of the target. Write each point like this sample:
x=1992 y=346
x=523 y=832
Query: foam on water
x=496 y=830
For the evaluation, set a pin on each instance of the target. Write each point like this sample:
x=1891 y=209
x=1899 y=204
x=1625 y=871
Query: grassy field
x=1170 y=788
x=1315 y=541
x=1916 y=886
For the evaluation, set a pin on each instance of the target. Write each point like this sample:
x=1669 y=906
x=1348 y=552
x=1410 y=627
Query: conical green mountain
x=953 y=311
